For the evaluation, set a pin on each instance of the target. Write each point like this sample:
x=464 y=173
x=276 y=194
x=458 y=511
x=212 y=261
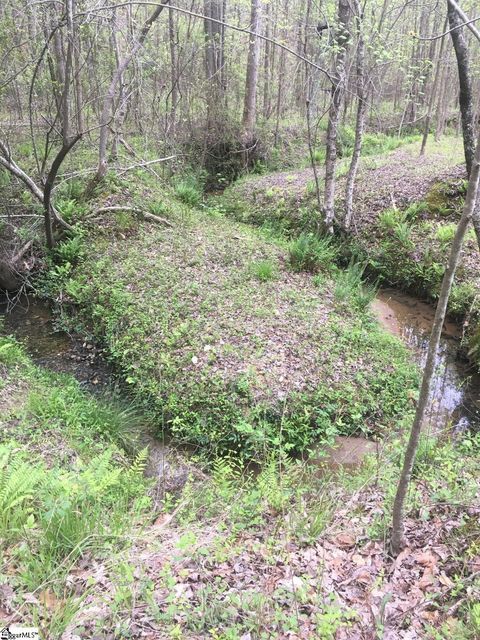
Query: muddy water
x=455 y=400
x=31 y=322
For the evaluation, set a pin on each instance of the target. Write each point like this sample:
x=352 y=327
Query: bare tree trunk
x=433 y=94
x=173 y=72
x=360 y=120
x=465 y=82
x=77 y=50
x=250 y=102
x=266 y=66
x=398 y=541
x=336 y=97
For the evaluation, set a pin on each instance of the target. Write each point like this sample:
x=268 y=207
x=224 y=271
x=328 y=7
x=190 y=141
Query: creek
x=454 y=407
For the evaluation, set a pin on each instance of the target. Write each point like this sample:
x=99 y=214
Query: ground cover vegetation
x=90 y=550
x=210 y=195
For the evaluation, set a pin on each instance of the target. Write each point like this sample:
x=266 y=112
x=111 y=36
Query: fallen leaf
x=344 y=540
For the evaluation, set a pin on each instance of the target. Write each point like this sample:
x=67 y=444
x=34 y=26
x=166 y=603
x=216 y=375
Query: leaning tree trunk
x=110 y=96
x=336 y=97
x=465 y=81
x=398 y=541
x=360 y=120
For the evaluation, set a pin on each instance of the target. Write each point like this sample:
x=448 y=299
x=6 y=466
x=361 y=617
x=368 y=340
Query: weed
x=445 y=233
x=403 y=233
x=350 y=287
x=160 y=208
x=70 y=208
x=70 y=250
x=263 y=270
x=312 y=253
x=189 y=190
x=389 y=219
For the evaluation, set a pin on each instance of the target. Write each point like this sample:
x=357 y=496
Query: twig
x=145 y=164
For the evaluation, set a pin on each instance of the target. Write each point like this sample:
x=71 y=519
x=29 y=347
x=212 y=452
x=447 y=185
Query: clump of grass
x=189 y=190
x=312 y=253
x=158 y=208
x=350 y=287
x=425 y=456
x=415 y=209
x=389 y=218
x=446 y=232
x=403 y=233
x=263 y=270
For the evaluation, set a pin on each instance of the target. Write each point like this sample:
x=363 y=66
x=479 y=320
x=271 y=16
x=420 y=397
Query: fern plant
x=18 y=484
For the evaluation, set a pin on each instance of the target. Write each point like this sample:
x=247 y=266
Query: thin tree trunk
x=398 y=541
x=433 y=94
x=360 y=120
x=465 y=82
x=338 y=88
x=250 y=102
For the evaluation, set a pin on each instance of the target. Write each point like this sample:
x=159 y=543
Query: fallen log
x=138 y=212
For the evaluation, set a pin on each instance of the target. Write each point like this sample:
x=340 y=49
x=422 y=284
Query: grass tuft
x=309 y=252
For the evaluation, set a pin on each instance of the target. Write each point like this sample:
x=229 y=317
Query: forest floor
x=405 y=210
x=224 y=343
x=293 y=550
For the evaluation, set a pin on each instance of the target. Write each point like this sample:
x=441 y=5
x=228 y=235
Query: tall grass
x=351 y=287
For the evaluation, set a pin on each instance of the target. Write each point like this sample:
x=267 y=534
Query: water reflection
x=455 y=399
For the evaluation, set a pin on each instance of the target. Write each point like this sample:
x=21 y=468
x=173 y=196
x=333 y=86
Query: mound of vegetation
x=234 y=347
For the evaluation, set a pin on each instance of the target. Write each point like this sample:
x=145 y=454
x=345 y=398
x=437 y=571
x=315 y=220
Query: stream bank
x=455 y=403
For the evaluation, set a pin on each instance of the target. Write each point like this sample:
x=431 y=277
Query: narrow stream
x=455 y=401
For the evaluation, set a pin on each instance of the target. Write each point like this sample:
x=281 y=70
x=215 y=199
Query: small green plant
x=70 y=250
x=389 y=219
x=413 y=211
x=445 y=233
x=189 y=190
x=159 y=208
x=263 y=270
x=310 y=252
x=350 y=287
x=70 y=208
x=403 y=233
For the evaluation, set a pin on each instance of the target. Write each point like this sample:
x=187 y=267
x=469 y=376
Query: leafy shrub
x=312 y=253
